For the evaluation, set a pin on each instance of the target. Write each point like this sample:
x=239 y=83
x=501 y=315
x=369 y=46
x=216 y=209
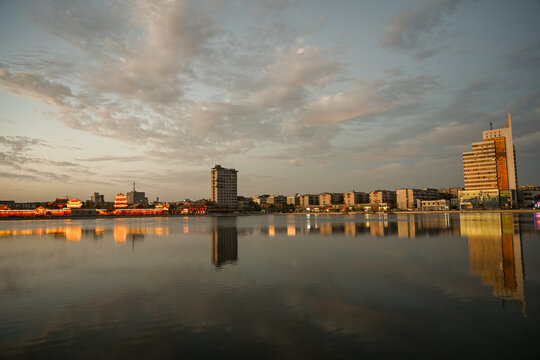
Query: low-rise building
x=428 y=205
x=527 y=195
x=408 y=199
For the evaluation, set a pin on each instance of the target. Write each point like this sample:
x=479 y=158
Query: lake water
x=284 y=286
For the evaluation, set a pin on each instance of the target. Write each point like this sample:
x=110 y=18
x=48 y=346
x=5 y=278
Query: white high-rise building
x=224 y=186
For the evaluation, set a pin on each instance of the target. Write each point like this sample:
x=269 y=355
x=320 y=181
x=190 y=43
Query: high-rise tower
x=224 y=186
x=490 y=168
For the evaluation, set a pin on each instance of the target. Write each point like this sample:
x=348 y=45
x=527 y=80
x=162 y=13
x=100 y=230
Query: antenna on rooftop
x=490 y=128
x=134 y=186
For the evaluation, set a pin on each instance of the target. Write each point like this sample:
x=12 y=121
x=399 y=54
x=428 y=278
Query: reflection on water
x=305 y=286
x=224 y=241
x=495 y=253
x=75 y=232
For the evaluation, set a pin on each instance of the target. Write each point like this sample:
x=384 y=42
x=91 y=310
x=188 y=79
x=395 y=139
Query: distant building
x=527 y=195
x=260 y=199
x=489 y=170
x=224 y=187
x=9 y=203
x=243 y=202
x=450 y=193
x=407 y=199
x=309 y=200
x=427 y=205
x=98 y=199
x=276 y=200
x=293 y=200
x=353 y=198
x=382 y=196
x=327 y=199
x=136 y=197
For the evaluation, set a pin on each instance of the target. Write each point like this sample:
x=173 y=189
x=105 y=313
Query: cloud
x=113 y=158
x=415 y=29
x=293 y=71
x=34 y=85
x=21 y=143
x=367 y=98
x=11 y=175
x=527 y=57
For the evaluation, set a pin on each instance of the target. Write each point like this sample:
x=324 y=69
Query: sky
x=298 y=96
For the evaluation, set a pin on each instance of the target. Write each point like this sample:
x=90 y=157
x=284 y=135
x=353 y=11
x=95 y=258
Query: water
x=294 y=287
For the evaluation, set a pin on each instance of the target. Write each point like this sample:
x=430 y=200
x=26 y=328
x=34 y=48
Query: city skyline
x=298 y=96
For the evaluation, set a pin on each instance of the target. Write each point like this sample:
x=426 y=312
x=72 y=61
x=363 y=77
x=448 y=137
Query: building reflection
x=495 y=253
x=75 y=233
x=224 y=241
x=291 y=230
x=406 y=225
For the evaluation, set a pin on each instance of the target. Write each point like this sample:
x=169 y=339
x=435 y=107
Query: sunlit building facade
x=353 y=198
x=224 y=187
x=408 y=199
x=489 y=170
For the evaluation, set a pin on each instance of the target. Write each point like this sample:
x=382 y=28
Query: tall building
x=489 y=170
x=136 y=197
x=224 y=186
x=97 y=198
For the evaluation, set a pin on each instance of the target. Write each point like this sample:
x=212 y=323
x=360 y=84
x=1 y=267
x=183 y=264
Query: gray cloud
x=34 y=85
x=21 y=143
x=364 y=98
x=527 y=57
x=414 y=29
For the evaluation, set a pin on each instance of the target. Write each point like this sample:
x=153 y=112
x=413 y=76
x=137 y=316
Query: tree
x=253 y=206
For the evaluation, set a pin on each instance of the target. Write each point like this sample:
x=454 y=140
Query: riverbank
x=517 y=211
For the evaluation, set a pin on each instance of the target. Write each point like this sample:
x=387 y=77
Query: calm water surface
x=296 y=287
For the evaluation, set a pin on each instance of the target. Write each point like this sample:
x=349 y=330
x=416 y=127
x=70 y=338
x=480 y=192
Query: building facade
x=353 y=198
x=276 y=200
x=328 y=199
x=382 y=196
x=490 y=166
x=309 y=200
x=136 y=197
x=427 y=205
x=224 y=186
x=408 y=199
x=293 y=200
x=98 y=199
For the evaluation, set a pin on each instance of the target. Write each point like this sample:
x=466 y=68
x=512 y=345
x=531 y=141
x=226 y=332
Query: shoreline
x=513 y=211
